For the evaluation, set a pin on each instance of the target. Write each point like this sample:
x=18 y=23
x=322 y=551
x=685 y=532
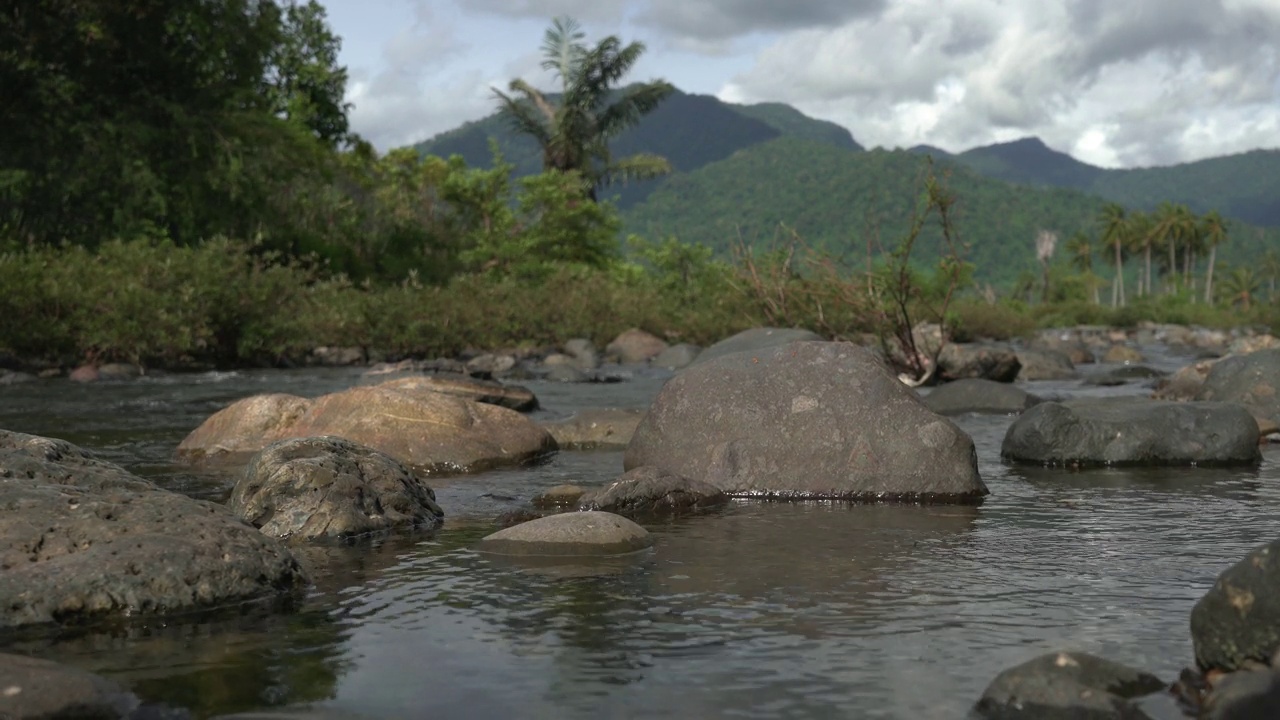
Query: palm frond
x=635 y=168
x=524 y=117
x=562 y=48
x=634 y=103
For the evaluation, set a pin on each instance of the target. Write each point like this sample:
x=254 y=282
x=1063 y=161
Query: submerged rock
x=570 y=534
x=1067 y=686
x=650 y=491
x=82 y=539
x=329 y=488
x=33 y=689
x=594 y=428
x=979 y=396
x=805 y=420
x=1132 y=431
x=1238 y=620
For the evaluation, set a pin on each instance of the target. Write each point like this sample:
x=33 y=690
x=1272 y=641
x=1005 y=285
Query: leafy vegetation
x=216 y=210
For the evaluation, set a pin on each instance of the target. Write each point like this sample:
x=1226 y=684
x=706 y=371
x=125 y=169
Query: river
x=765 y=610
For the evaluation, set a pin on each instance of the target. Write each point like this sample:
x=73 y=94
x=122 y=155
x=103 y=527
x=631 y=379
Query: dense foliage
x=179 y=186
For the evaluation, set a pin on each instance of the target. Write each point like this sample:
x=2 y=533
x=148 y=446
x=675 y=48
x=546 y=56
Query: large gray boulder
x=979 y=396
x=330 y=488
x=650 y=491
x=805 y=420
x=34 y=689
x=754 y=340
x=1132 y=431
x=1067 y=686
x=1245 y=695
x=1251 y=380
x=569 y=534
x=1238 y=621
x=82 y=539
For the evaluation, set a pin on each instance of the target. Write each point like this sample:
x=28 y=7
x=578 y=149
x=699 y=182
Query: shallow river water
x=766 y=610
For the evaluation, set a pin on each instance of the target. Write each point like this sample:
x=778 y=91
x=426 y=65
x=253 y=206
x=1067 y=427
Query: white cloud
x=1134 y=83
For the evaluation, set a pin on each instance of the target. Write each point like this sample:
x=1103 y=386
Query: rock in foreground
x=569 y=534
x=1132 y=431
x=805 y=420
x=1067 y=686
x=82 y=539
x=650 y=491
x=1251 y=380
x=1238 y=620
x=330 y=488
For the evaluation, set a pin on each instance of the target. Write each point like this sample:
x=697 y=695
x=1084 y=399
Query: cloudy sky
x=1118 y=83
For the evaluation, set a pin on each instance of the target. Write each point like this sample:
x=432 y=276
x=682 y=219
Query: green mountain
x=689 y=130
x=842 y=200
x=1244 y=187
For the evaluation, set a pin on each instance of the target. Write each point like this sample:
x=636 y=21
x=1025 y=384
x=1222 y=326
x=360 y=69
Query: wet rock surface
x=646 y=492
x=81 y=540
x=330 y=488
x=1132 y=431
x=1238 y=619
x=593 y=428
x=569 y=534
x=1067 y=686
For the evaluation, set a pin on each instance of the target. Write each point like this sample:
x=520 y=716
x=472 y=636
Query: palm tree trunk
x=1119 y=278
x=1173 y=265
x=1146 y=251
x=1208 y=277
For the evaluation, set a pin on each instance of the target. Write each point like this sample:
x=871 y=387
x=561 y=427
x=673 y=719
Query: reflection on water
x=758 y=611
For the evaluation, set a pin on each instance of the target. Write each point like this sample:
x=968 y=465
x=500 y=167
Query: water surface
x=766 y=610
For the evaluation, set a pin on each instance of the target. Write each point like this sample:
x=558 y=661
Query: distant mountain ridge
x=1245 y=186
x=742 y=170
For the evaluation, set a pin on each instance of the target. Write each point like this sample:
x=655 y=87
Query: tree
x=1240 y=287
x=1080 y=251
x=1214 y=230
x=574 y=128
x=1114 y=232
x=304 y=82
x=160 y=118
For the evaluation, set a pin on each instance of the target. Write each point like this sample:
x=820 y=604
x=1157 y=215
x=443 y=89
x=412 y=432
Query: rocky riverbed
x=1076 y=576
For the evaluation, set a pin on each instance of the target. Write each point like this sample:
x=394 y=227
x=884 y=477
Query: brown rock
x=32 y=688
x=243 y=428
x=1122 y=354
x=570 y=534
x=559 y=496
x=491 y=392
x=635 y=346
x=84 y=373
x=594 y=428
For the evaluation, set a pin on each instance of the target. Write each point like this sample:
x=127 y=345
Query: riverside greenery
x=228 y=302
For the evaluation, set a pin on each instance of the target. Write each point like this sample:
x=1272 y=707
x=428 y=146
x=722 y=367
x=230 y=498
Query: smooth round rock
x=570 y=534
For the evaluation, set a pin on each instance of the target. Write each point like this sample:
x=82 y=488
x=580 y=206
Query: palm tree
x=1240 y=287
x=1080 y=250
x=1213 y=228
x=1114 y=228
x=1271 y=272
x=1140 y=237
x=574 y=129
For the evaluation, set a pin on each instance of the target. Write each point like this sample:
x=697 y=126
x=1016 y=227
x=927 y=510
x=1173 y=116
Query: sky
x=1115 y=83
